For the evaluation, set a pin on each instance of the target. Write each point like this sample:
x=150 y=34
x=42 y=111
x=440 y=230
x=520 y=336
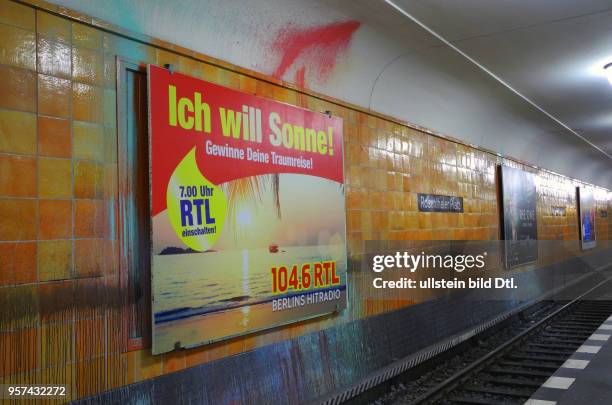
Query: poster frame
x=583 y=193
x=504 y=220
x=266 y=327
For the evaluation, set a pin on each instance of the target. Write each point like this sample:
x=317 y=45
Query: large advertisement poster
x=520 y=222
x=248 y=212
x=587 y=210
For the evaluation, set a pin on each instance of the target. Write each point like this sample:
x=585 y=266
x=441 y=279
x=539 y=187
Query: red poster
x=247 y=207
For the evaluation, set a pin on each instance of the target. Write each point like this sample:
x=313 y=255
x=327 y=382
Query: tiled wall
x=61 y=317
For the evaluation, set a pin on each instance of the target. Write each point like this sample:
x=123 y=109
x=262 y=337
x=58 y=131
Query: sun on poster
x=587 y=210
x=248 y=214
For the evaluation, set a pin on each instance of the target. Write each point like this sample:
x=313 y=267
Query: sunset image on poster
x=248 y=212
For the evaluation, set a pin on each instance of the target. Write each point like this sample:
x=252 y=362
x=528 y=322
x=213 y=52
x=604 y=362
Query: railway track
x=515 y=371
x=515 y=361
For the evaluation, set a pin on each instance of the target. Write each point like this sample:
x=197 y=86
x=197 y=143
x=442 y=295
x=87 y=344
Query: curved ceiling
x=370 y=54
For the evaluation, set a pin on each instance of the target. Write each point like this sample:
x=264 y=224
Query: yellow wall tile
x=147 y=365
x=54 y=27
x=87 y=102
x=54 y=58
x=17 y=132
x=17 y=47
x=88 y=141
x=87 y=66
x=86 y=37
x=17 y=15
x=54 y=95
x=88 y=179
x=54 y=260
x=54 y=178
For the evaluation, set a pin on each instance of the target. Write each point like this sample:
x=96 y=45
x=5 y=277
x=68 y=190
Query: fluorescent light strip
x=493 y=75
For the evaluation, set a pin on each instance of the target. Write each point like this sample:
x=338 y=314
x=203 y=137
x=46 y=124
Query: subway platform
x=585 y=378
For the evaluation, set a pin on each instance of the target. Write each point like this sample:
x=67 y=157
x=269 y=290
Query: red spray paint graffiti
x=320 y=44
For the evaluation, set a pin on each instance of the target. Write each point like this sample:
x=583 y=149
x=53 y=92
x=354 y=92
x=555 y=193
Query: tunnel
x=305 y=202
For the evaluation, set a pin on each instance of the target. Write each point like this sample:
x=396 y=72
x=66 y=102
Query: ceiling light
x=607 y=69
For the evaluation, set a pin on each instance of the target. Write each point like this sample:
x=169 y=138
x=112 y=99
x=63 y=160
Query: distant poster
x=587 y=210
x=520 y=222
x=248 y=212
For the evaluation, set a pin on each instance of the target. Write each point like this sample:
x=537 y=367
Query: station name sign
x=558 y=211
x=439 y=203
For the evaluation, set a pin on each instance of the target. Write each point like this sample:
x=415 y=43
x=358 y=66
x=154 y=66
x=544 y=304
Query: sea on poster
x=588 y=210
x=248 y=212
x=519 y=216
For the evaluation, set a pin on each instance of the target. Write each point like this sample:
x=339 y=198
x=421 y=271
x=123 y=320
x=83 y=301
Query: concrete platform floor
x=585 y=378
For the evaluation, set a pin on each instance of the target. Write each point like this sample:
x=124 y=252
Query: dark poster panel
x=520 y=222
x=587 y=209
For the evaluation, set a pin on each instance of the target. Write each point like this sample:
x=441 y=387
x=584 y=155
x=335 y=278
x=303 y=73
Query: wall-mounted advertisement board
x=248 y=212
x=587 y=210
x=520 y=230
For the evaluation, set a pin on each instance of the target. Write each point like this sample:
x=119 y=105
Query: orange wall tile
x=17 y=176
x=86 y=262
x=89 y=218
x=18 y=219
x=54 y=137
x=56 y=344
x=18 y=361
x=55 y=219
x=18 y=90
x=17 y=263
